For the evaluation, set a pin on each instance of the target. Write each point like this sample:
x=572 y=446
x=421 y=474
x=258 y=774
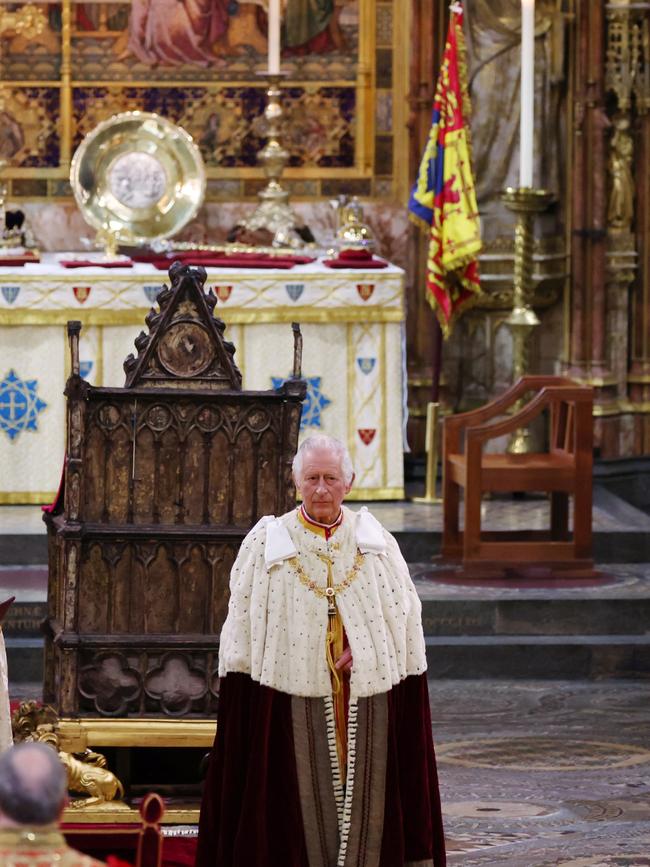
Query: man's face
x=322 y=485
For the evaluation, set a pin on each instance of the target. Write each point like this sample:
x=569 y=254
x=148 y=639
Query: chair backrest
x=562 y=426
x=150 y=842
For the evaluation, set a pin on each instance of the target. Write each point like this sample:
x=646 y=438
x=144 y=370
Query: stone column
x=429 y=22
x=626 y=73
x=639 y=373
x=588 y=359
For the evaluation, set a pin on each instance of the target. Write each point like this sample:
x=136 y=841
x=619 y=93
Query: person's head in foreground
x=33 y=786
x=322 y=471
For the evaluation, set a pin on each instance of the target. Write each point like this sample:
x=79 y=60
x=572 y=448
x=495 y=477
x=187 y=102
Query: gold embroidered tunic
x=42 y=846
x=336 y=640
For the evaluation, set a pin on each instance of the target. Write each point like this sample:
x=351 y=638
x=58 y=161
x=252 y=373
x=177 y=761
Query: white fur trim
x=279 y=544
x=369 y=533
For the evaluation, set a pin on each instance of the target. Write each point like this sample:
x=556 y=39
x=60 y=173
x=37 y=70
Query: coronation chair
x=564 y=470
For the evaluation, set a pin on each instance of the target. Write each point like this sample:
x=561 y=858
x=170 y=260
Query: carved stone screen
x=163 y=479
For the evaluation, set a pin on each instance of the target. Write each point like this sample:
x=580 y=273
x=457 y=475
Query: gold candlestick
x=274 y=212
x=3 y=197
x=525 y=202
x=432 y=446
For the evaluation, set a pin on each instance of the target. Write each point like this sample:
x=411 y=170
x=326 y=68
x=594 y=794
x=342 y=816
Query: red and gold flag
x=443 y=200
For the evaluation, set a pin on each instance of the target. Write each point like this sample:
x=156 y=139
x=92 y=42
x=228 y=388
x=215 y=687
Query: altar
x=352 y=324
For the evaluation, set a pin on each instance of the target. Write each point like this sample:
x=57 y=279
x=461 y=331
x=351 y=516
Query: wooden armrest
x=547 y=396
x=500 y=404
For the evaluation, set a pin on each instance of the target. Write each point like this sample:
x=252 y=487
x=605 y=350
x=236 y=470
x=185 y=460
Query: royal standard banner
x=443 y=200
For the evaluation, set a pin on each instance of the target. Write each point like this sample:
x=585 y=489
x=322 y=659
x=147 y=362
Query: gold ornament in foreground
x=87 y=772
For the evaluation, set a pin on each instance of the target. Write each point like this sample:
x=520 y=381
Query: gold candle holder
x=3 y=197
x=274 y=212
x=432 y=447
x=525 y=202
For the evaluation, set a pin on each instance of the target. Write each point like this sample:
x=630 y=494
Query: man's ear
x=348 y=487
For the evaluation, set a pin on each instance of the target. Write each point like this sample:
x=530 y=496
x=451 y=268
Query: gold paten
x=137 y=178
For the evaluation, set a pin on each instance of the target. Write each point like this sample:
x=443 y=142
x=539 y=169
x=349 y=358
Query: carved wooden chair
x=564 y=470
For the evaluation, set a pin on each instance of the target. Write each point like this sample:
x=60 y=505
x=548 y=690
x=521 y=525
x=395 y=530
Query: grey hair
x=323 y=441
x=33 y=784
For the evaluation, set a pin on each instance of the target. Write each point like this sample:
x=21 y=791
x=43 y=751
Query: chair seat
x=564 y=472
x=544 y=471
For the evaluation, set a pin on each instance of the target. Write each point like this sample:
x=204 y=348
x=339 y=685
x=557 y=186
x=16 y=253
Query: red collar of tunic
x=325 y=530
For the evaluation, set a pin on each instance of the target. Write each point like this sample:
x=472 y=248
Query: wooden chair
x=565 y=470
x=150 y=842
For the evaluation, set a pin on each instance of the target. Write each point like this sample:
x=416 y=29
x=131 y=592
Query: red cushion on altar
x=227 y=262
x=13 y=261
x=362 y=264
x=210 y=259
x=89 y=263
x=355 y=254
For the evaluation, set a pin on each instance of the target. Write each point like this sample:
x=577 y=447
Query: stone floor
x=610 y=514
x=539 y=773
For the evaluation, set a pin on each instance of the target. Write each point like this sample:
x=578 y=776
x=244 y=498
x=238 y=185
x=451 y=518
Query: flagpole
x=444 y=180
x=432 y=434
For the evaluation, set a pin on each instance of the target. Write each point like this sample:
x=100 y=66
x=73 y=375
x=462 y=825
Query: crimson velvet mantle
x=252 y=814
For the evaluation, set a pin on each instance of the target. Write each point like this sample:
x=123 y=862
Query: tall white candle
x=274 y=36
x=526 y=120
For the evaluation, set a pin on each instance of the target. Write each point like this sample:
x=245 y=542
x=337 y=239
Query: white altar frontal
x=352 y=325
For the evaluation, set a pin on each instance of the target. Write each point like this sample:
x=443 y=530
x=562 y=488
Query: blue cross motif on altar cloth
x=19 y=405
x=313 y=404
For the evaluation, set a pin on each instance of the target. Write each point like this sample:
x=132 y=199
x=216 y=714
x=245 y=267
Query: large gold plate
x=138 y=178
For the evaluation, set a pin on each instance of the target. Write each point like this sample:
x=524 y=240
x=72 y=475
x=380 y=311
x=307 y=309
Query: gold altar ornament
x=274 y=213
x=28 y=20
x=137 y=178
x=352 y=232
x=86 y=770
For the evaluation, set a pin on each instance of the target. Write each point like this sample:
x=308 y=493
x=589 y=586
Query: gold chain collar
x=331 y=590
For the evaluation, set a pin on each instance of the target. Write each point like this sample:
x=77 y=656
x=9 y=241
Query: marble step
x=482 y=656
x=466 y=617
x=24 y=659
x=539 y=656
x=417 y=546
